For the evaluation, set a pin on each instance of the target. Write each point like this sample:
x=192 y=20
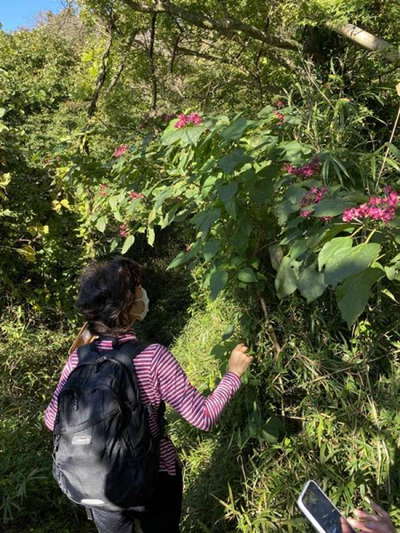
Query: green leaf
x=233 y=160
x=311 y=283
x=101 y=223
x=127 y=244
x=184 y=257
x=352 y=296
x=330 y=207
x=151 y=236
x=218 y=281
x=294 y=150
x=206 y=219
x=2 y=112
x=286 y=278
x=236 y=129
x=349 y=262
x=247 y=275
x=187 y=135
x=211 y=248
x=227 y=194
x=331 y=248
x=261 y=191
x=228 y=332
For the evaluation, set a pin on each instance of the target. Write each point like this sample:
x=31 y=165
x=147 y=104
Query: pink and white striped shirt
x=161 y=378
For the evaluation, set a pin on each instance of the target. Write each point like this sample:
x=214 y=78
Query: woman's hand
x=239 y=361
x=372 y=523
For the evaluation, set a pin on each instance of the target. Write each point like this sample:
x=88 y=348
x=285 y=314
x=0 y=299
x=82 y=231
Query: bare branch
x=227 y=26
x=368 y=41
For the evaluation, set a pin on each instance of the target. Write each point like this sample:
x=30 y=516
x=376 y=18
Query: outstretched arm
x=200 y=411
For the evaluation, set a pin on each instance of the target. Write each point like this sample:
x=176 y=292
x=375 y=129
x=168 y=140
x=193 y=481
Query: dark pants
x=162 y=515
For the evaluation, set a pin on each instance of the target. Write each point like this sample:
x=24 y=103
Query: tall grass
x=324 y=407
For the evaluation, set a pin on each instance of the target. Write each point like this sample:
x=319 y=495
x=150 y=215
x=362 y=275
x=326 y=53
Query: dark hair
x=107 y=293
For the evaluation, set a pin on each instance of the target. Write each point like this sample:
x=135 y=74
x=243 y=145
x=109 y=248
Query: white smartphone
x=320 y=511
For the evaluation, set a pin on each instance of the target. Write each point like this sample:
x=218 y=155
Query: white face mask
x=145 y=299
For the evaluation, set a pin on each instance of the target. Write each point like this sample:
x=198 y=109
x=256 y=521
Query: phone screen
x=321 y=508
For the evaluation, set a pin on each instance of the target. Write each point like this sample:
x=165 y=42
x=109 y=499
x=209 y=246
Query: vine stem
x=391 y=138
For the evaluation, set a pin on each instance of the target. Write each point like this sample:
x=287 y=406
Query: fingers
x=345 y=526
x=378 y=509
x=365 y=527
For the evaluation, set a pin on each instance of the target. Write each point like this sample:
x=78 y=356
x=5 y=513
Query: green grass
x=325 y=408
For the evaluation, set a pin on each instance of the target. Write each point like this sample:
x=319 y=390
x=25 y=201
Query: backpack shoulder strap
x=87 y=353
x=126 y=352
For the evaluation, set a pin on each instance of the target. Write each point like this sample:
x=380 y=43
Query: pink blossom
x=280 y=117
x=123 y=230
x=381 y=208
x=103 y=189
x=185 y=120
x=305 y=213
x=279 y=104
x=306 y=171
x=313 y=196
x=136 y=195
x=120 y=150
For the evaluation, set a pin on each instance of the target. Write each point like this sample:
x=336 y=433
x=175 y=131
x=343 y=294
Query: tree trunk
x=368 y=41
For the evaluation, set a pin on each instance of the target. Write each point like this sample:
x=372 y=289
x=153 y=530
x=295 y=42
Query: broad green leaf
x=101 y=224
x=206 y=219
x=331 y=248
x=247 y=275
x=311 y=283
x=113 y=201
x=352 y=295
x=218 y=281
x=2 y=112
x=236 y=129
x=233 y=160
x=284 y=210
x=286 y=277
x=349 y=262
x=227 y=194
x=330 y=207
x=211 y=247
x=295 y=194
x=127 y=244
x=184 y=257
x=294 y=150
x=261 y=191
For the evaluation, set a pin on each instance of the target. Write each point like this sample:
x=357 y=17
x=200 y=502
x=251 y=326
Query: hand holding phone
x=320 y=511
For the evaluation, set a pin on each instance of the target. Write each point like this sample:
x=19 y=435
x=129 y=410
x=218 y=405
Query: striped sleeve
x=51 y=411
x=175 y=388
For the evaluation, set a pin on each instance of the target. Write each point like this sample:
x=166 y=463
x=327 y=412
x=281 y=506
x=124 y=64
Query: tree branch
x=227 y=26
x=152 y=63
x=368 y=41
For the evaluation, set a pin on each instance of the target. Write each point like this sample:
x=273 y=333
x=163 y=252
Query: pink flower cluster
x=306 y=171
x=123 y=230
x=280 y=117
x=103 y=189
x=382 y=208
x=185 y=120
x=313 y=196
x=136 y=195
x=120 y=150
x=279 y=104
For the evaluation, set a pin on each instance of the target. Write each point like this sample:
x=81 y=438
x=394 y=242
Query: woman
x=111 y=299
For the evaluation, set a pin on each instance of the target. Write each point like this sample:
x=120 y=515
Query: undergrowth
x=322 y=406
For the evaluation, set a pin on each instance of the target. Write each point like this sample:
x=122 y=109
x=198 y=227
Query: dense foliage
x=248 y=155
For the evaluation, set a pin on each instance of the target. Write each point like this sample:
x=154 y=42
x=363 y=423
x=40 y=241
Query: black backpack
x=104 y=453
